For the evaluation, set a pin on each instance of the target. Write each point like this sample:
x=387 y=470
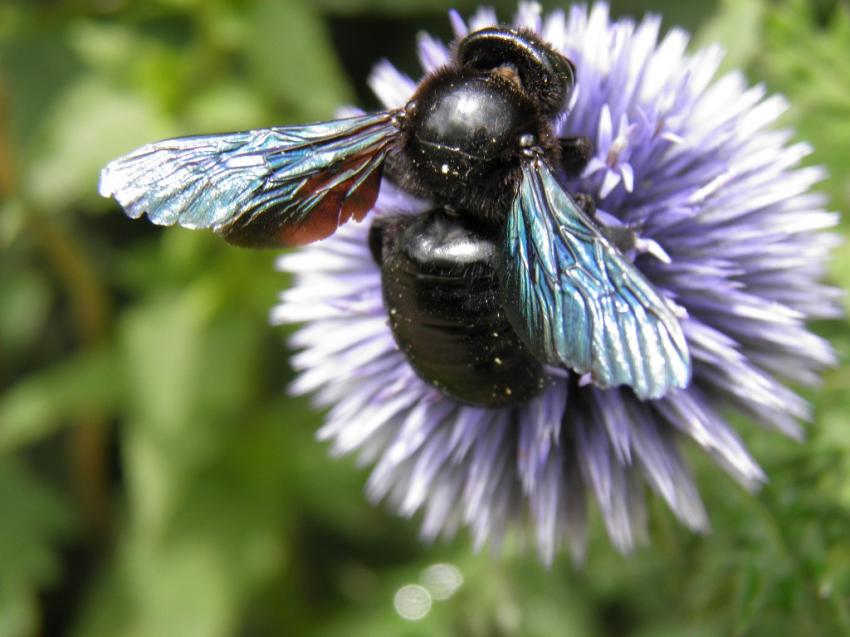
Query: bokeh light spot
x=412 y=602
x=442 y=580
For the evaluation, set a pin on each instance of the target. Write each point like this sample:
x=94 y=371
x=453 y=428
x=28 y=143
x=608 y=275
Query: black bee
x=505 y=275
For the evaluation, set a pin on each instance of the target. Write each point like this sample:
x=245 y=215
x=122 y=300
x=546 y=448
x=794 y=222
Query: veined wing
x=263 y=188
x=577 y=301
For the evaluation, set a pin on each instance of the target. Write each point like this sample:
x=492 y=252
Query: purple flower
x=692 y=164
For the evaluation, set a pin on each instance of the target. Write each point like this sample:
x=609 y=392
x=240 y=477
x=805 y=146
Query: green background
x=155 y=480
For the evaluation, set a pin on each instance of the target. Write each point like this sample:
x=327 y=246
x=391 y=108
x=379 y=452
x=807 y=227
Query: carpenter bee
x=507 y=275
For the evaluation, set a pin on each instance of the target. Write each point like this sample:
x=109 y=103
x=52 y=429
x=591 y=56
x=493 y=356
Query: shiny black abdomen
x=441 y=291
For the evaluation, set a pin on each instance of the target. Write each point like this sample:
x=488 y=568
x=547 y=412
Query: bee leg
x=575 y=153
x=586 y=202
x=623 y=237
x=627 y=240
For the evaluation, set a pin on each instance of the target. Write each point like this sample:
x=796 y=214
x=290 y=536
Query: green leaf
x=736 y=25
x=36 y=406
x=25 y=299
x=38 y=66
x=806 y=61
x=291 y=57
x=18 y=611
x=90 y=124
x=227 y=106
x=32 y=519
x=221 y=540
x=397 y=7
x=161 y=343
x=413 y=8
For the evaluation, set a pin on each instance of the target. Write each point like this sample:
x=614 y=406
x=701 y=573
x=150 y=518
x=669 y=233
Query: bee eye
x=546 y=75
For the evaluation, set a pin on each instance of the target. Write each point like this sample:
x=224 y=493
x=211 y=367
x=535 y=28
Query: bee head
x=543 y=74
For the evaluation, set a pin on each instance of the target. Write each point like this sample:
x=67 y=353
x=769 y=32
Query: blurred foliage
x=154 y=478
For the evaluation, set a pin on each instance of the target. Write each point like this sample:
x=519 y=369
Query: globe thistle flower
x=691 y=163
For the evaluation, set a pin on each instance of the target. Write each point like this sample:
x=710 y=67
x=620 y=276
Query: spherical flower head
x=727 y=227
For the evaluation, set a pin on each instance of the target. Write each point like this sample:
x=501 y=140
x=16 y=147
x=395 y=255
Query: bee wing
x=577 y=301
x=262 y=188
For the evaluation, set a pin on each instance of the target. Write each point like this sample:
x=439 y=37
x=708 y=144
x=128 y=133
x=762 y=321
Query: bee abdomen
x=441 y=292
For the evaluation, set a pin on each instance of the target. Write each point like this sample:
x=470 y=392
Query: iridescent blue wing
x=577 y=301
x=262 y=188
